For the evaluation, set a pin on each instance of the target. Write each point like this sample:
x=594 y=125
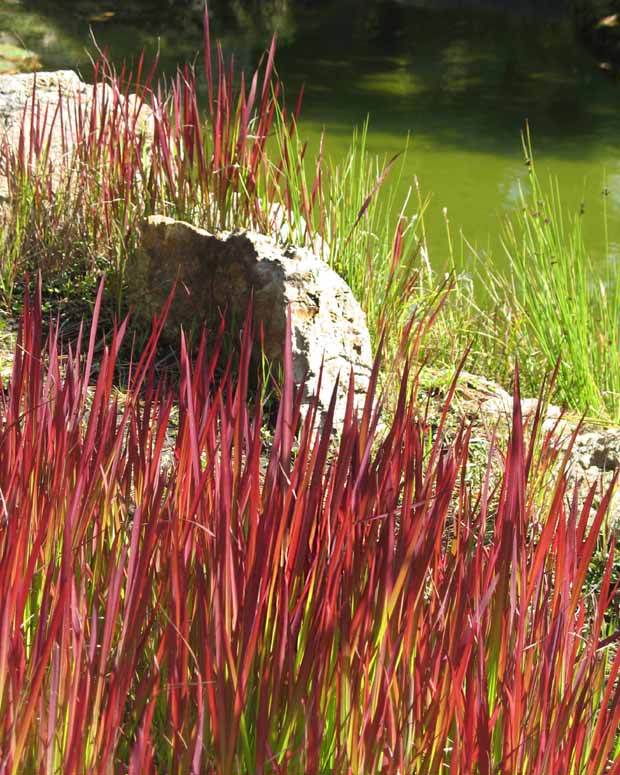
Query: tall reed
x=567 y=305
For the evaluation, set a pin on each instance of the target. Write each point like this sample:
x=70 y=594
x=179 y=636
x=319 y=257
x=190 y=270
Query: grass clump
x=558 y=305
x=233 y=159
x=191 y=601
x=183 y=592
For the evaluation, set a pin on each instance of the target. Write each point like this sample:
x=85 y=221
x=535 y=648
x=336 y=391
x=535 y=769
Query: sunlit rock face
x=220 y=274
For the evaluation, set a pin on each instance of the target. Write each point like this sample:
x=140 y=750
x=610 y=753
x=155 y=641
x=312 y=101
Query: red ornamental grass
x=234 y=608
x=91 y=168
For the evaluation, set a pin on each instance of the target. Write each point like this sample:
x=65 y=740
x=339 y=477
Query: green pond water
x=458 y=82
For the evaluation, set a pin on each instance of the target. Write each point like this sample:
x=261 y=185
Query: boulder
x=53 y=101
x=220 y=273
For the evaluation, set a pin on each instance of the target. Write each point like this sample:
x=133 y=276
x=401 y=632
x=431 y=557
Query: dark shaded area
x=599 y=24
x=468 y=80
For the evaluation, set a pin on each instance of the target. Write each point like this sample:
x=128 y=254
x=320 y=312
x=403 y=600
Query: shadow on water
x=459 y=77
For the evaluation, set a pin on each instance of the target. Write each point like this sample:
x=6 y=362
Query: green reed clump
x=567 y=306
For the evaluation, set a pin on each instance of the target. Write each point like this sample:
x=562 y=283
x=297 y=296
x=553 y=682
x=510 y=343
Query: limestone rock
x=598 y=449
x=499 y=403
x=40 y=98
x=220 y=273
